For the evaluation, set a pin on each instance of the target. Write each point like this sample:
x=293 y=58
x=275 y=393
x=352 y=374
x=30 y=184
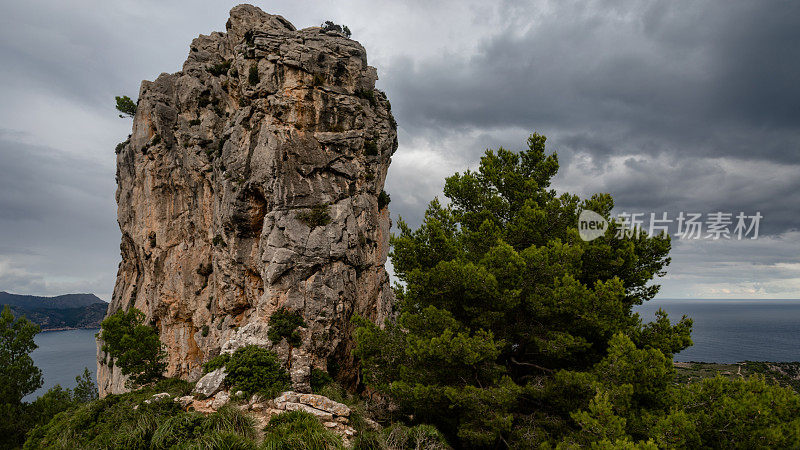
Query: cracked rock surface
x=250 y=183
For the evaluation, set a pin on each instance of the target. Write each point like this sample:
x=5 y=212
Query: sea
x=729 y=331
x=62 y=356
x=724 y=331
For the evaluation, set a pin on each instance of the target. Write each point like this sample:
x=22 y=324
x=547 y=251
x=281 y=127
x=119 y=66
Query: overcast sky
x=668 y=105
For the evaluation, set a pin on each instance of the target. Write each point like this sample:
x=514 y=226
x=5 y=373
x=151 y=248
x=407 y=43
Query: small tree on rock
x=135 y=347
x=125 y=106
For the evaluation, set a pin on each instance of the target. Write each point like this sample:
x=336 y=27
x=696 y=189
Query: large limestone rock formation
x=250 y=183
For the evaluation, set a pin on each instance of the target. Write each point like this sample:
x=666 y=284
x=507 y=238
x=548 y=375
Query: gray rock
x=220 y=399
x=211 y=383
x=220 y=172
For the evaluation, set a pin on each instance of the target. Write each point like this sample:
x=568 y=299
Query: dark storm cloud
x=668 y=105
x=687 y=83
x=716 y=79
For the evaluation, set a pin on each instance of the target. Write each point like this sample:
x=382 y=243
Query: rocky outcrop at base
x=251 y=182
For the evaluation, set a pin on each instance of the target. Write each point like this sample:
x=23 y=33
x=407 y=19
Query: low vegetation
x=284 y=324
x=330 y=26
x=316 y=216
x=252 y=370
x=133 y=346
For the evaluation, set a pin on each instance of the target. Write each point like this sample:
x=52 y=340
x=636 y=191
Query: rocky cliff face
x=251 y=183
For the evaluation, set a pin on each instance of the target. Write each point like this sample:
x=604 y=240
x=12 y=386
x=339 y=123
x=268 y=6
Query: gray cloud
x=668 y=105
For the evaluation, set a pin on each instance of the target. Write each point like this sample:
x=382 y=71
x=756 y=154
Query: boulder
x=211 y=383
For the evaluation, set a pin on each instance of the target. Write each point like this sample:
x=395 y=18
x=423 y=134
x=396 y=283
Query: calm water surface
x=729 y=331
x=62 y=355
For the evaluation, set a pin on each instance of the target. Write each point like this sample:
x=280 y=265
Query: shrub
x=253 y=77
x=319 y=80
x=283 y=324
x=136 y=348
x=299 y=430
x=111 y=422
x=330 y=26
x=253 y=369
x=383 y=200
x=216 y=362
x=194 y=122
x=317 y=216
x=370 y=147
x=204 y=331
x=319 y=379
x=249 y=38
x=219 y=69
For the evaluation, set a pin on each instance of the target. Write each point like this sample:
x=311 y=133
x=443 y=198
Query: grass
x=299 y=430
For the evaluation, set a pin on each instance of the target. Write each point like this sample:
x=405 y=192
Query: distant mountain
x=63 y=311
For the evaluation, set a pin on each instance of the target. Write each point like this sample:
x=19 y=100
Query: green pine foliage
x=515 y=333
x=18 y=375
x=125 y=106
x=134 y=347
x=284 y=324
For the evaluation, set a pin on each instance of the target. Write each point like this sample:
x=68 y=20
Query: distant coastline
x=45 y=330
x=59 y=313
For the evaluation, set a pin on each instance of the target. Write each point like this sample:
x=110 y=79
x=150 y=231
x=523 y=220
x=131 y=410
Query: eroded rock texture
x=251 y=182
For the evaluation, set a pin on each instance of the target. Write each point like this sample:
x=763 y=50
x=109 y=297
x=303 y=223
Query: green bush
x=111 y=422
x=317 y=216
x=283 y=324
x=253 y=369
x=216 y=362
x=299 y=430
x=383 y=200
x=135 y=347
x=330 y=26
x=252 y=76
x=319 y=379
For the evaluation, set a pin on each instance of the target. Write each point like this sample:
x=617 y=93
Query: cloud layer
x=668 y=105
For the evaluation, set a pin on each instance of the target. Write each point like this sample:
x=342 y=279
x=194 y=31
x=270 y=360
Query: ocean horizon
x=735 y=330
